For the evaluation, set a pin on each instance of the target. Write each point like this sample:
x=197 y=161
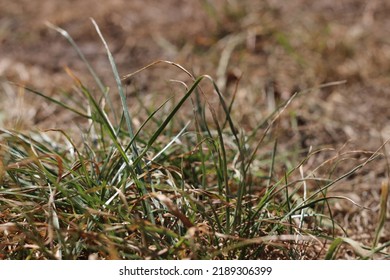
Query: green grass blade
x=358 y=249
x=170 y=143
x=168 y=119
x=55 y=101
x=98 y=81
x=107 y=124
x=121 y=94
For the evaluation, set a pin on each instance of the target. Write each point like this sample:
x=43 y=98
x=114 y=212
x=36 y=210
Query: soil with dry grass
x=270 y=48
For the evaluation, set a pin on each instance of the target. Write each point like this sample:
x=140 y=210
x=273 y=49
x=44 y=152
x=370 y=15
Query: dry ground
x=276 y=47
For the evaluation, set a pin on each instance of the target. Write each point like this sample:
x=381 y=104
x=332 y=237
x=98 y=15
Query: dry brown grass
x=273 y=49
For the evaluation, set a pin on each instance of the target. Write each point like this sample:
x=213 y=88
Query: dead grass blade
x=173 y=209
x=383 y=209
x=358 y=249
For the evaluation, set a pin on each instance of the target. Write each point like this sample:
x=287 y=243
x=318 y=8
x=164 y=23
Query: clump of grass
x=209 y=191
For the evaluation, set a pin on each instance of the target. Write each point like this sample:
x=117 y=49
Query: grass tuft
x=211 y=190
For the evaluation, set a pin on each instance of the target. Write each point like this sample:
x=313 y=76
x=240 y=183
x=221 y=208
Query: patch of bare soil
x=276 y=47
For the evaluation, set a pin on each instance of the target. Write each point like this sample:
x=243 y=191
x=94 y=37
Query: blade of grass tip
x=65 y=34
x=55 y=101
x=121 y=93
x=98 y=81
x=129 y=76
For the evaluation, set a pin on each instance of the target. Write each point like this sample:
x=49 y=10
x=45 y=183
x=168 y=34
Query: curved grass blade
x=55 y=101
x=98 y=81
x=168 y=119
x=358 y=249
x=121 y=94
